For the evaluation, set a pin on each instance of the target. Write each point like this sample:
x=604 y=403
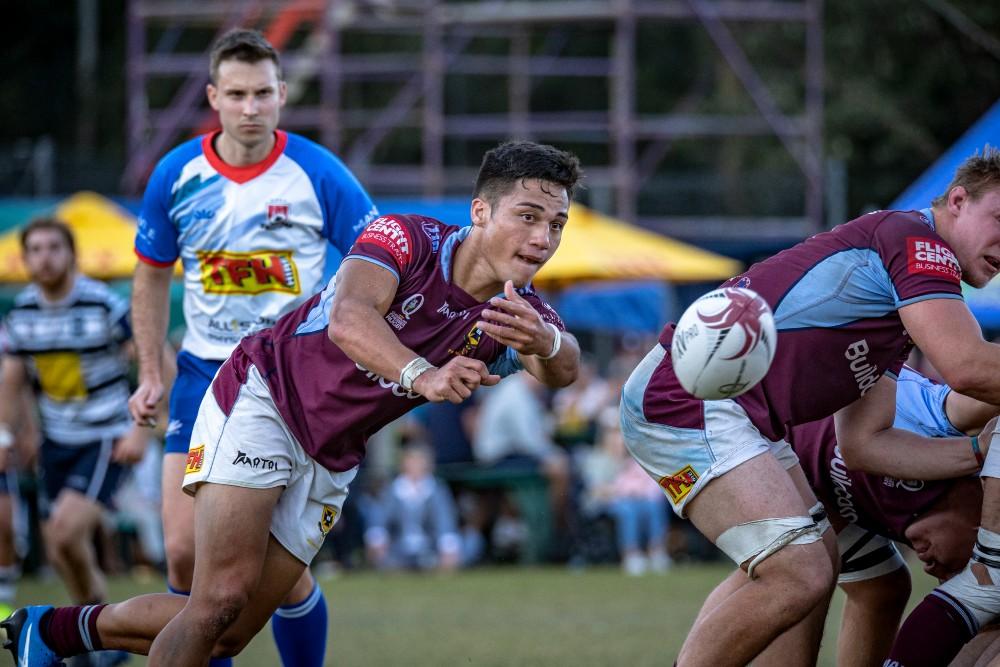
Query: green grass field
x=508 y=616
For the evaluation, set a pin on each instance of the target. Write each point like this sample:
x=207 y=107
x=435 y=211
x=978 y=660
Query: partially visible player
x=250 y=211
x=849 y=304
x=417 y=311
x=937 y=518
x=66 y=334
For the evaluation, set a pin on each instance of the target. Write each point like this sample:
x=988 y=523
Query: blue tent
x=934 y=181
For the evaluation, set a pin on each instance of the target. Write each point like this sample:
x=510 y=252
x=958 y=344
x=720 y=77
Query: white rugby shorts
x=683 y=460
x=253 y=448
x=865 y=555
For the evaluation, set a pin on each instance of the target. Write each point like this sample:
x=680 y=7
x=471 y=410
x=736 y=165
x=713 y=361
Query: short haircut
x=516 y=161
x=54 y=224
x=977 y=174
x=247 y=46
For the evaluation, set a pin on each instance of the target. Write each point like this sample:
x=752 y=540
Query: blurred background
x=713 y=132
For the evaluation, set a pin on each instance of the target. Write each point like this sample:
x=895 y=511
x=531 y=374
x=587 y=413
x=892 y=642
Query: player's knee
x=216 y=610
x=180 y=559
x=231 y=644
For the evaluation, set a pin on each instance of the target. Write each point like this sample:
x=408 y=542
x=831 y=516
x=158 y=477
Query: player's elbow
x=339 y=329
x=852 y=450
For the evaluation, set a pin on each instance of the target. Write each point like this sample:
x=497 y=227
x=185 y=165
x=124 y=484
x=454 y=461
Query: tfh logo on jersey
x=277 y=214
x=391 y=236
x=679 y=485
x=931 y=257
x=249 y=272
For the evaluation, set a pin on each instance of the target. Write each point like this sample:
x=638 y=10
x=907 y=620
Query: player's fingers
x=490 y=380
x=498 y=317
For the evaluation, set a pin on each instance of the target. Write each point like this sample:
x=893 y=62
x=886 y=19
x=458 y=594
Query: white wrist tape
x=411 y=371
x=6 y=437
x=980 y=598
x=556 y=342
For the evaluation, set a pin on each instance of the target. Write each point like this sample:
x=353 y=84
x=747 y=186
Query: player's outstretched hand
x=130 y=448
x=143 y=404
x=513 y=322
x=455 y=381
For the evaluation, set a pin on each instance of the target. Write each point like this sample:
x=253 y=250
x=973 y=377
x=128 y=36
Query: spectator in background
x=413 y=524
x=615 y=484
x=578 y=406
x=514 y=432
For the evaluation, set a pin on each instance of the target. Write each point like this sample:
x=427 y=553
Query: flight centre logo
x=256 y=272
x=931 y=257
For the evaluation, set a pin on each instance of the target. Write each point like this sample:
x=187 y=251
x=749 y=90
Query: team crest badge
x=195 y=460
x=277 y=214
x=679 y=485
x=327 y=520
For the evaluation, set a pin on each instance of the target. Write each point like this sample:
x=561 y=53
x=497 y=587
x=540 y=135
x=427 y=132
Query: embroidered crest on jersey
x=277 y=214
x=472 y=340
x=225 y=272
x=389 y=235
x=679 y=484
x=932 y=257
x=195 y=460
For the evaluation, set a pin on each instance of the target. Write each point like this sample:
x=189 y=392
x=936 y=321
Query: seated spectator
x=614 y=483
x=578 y=406
x=413 y=524
x=514 y=431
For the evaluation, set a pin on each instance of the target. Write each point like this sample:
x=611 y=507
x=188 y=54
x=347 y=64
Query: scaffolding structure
x=426 y=45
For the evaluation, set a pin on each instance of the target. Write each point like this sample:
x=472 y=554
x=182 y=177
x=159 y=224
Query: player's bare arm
x=12 y=388
x=513 y=322
x=869 y=443
x=358 y=327
x=966 y=362
x=968 y=414
x=150 y=314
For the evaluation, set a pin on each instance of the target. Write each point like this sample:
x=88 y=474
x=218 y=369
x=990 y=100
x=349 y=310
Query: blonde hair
x=977 y=174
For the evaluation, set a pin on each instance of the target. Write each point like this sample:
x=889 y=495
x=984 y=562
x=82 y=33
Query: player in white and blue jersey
x=251 y=212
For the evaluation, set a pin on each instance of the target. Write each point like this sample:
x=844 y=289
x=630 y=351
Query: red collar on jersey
x=249 y=172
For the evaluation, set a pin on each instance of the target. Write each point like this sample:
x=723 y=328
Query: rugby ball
x=724 y=343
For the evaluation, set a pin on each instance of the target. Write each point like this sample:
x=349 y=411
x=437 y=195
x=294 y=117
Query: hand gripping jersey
x=252 y=239
x=835 y=298
x=884 y=505
x=330 y=403
x=73 y=356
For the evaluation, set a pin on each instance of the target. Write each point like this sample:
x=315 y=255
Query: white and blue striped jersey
x=72 y=351
x=253 y=240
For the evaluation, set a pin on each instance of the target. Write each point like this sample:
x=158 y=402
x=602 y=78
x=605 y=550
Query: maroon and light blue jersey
x=884 y=505
x=330 y=403
x=835 y=298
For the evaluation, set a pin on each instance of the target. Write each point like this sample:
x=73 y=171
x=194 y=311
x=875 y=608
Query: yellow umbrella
x=104 y=231
x=597 y=247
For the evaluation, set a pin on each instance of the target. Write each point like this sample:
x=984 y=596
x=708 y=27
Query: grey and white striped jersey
x=72 y=350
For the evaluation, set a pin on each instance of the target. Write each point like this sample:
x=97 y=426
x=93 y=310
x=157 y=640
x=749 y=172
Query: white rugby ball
x=724 y=343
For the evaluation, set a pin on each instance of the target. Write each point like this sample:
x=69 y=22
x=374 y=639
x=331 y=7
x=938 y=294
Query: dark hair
x=248 y=46
x=48 y=223
x=977 y=174
x=516 y=161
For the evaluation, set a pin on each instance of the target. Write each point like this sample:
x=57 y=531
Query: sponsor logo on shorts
x=255 y=462
x=679 y=484
x=931 y=257
x=195 y=460
x=224 y=272
x=390 y=235
x=327 y=520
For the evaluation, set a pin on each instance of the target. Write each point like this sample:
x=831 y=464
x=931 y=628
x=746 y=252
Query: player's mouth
x=994 y=262
x=532 y=260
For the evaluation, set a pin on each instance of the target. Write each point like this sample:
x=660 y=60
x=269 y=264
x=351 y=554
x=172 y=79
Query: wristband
x=556 y=342
x=6 y=437
x=975 y=450
x=411 y=371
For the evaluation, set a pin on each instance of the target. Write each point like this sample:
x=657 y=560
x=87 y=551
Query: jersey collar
x=250 y=171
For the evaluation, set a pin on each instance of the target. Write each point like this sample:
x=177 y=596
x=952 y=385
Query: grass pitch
x=495 y=617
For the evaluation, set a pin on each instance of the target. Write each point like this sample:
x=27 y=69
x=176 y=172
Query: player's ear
x=479 y=212
x=282 y=93
x=212 y=93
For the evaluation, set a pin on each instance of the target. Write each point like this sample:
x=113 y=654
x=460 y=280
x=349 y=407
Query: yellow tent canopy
x=104 y=231
x=596 y=247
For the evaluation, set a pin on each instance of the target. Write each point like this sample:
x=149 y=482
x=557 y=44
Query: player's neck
x=470 y=273
x=236 y=154
x=58 y=291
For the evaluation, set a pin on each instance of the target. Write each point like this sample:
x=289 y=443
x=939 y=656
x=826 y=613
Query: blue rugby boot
x=24 y=639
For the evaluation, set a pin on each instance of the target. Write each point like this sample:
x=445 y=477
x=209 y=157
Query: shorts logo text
x=255 y=463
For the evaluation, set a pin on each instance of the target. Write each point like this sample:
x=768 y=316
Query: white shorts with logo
x=865 y=555
x=683 y=460
x=253 y=448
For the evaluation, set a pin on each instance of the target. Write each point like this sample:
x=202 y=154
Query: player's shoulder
x=27 y=298
x=311 y=156
x=179 y=156
x=899 y=224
